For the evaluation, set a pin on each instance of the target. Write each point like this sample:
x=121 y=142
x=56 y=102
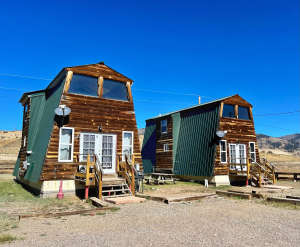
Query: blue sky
x=212 y=48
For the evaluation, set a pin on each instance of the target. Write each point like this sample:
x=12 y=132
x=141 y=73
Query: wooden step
x=112 y=180
x=122 y=200
x=98 y=203
x=115 y=196
x=115 y=190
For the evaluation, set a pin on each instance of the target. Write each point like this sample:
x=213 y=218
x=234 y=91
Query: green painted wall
x=195 y=148
x=149 y=147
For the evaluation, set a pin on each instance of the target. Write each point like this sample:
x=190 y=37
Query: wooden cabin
x=186 y=142
x=92 y=146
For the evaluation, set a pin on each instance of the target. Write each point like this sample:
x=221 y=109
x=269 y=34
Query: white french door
x=102 y=144
x=107 y=152
x=237 y=155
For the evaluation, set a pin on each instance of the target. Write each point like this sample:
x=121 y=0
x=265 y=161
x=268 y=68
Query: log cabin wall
x=87 y=113
x=164 y=159
x=25 y=130
x=238 y=131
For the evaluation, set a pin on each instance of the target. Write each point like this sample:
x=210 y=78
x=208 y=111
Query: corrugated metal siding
x=149 y=147
x=17 y=165
x=40 y=130
x=176 y=128
x=195 y=154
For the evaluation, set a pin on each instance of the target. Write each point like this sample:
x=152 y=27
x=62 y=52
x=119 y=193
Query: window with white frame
x=163 y=126
x=252 y=151
x=66 y=144
x=127 y=144
x=166 y=147
x=223 y=152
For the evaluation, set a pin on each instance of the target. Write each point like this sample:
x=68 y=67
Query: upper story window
x=163 y=124
x=84 y=85
x=243 y=113
x=114 y=90
x=228 y=111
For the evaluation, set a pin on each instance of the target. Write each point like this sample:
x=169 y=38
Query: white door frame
x=240 y=153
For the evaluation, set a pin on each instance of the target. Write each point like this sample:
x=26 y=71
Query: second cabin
x=96 y=144
x=215 y=141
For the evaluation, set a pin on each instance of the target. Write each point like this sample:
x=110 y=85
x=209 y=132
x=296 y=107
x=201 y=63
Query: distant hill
x=289 y=144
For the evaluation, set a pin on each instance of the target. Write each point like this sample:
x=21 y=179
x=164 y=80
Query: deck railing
x=126 y=169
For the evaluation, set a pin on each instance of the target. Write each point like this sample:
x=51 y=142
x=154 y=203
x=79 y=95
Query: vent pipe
x=199 y=100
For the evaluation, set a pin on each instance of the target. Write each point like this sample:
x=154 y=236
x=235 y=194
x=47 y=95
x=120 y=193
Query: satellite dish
x=221 y=134
x=62 y=111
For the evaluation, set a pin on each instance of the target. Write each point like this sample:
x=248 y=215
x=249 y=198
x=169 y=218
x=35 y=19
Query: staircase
x=261 y=174
x=120 y=184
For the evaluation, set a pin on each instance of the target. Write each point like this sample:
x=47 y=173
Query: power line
x=276 y=114
x=146 y=90
x=277 y=127
x=164 y=102
x=16 y=89
x=30 y=77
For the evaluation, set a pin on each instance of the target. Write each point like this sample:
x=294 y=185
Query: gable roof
x=99 y=69
x=192 y=107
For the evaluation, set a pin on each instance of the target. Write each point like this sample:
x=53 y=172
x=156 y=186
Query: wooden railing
x=126 y=169
x=98 y=175
x=255 y=171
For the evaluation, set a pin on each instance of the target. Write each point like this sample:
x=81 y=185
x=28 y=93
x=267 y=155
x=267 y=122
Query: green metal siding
x=149 y=147
x=195 y=151
x=40 y=129
x=176 y=128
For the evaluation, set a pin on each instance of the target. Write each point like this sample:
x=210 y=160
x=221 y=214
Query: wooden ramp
x=126 y=199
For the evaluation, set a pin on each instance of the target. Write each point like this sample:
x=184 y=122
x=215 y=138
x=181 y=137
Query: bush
x=270 y=152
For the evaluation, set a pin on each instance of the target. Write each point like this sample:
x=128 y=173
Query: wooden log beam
x=100 y=86
x=49 y=215
x=231 y=194
x=67 y=81
x=284 y=200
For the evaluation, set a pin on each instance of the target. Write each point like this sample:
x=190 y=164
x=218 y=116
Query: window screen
x=114 y=90
x=84 y=85
x=228 y=111
x=243 y=113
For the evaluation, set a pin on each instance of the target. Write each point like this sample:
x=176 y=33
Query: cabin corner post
x=87 y=178
x=221 y=109
x=129 y=94
x=68 y=80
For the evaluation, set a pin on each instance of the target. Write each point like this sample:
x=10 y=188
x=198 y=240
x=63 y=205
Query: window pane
x=223 y=157
x=252 y=147
x=114 y=90
x=223 y=146
x=243 y=113
x=127 y=150
x=228 y=111
x=127 y=139
x=252 y=155
x=85 y=85
x=164 y=129
x=164 y=123
x=66 y=136
x=65 y=152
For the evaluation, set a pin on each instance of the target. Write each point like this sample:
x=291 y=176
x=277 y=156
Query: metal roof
x=206 y=103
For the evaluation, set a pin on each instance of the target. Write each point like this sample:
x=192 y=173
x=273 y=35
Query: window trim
x=123 y=132
x=252 y=152
x=163 y=125
x=72 y=145
x=223 y=152
x=166 y=147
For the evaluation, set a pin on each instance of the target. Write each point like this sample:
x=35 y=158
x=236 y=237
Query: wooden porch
x=260 y=173
x=119 y=184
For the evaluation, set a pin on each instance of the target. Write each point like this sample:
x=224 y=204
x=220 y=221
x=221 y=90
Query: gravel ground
x=209 y=222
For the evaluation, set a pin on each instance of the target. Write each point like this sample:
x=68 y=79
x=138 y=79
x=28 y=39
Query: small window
x=84 y=85
x=243 y=113
x=163 y=124
x=66 y=144
x=252 y=151
x=114 y=90
x=127 y=144
x=24 y=144
x=223 y=152
x=166 y=147
x=25 y=113
x=228 y=111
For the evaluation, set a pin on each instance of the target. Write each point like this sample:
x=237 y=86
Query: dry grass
x=7 y=238
x=279 y=157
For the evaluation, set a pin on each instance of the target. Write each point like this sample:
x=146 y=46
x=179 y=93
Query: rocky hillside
x=289 y=144
x=10 y=142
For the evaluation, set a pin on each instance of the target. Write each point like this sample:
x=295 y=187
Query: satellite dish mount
x=61 y=112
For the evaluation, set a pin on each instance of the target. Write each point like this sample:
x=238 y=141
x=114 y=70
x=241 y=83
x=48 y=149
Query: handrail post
x=87 y=177
x=100 y=185
x=259 y=172
x=273 y=174
x=248 y=172
x=133 y=183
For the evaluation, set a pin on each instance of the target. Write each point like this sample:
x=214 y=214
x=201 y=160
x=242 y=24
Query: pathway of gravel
x=210 y=222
